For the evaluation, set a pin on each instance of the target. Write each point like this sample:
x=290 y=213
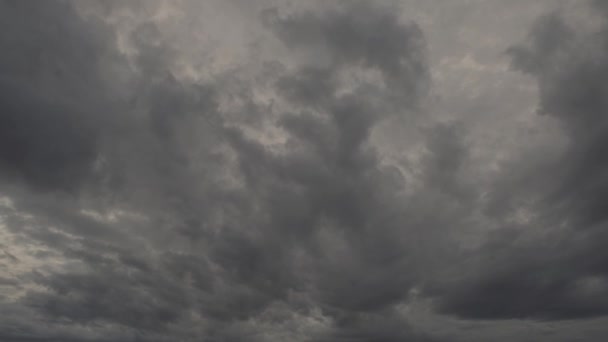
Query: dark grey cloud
x=560 y=274
x=48 y=128
x=228 y=171
x=184 y=220
x=363 y=36
x=386 y=326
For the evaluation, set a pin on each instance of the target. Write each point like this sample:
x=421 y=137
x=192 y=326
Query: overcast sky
x=315 y=171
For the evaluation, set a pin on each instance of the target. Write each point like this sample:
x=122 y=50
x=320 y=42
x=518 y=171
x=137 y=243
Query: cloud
x=362 y=35
x=229 y=171
x=163 y=210
x=557 y=274
x=49 y=133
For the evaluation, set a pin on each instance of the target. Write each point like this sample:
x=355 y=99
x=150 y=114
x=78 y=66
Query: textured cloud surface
x=303 y=171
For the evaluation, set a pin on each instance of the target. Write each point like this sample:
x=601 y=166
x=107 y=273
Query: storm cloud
x=561 y=274
x=275 y=170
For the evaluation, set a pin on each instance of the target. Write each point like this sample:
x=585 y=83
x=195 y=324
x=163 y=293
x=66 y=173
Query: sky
x=314 y=171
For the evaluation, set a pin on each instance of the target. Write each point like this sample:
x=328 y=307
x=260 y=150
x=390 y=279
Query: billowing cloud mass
x=303 y=171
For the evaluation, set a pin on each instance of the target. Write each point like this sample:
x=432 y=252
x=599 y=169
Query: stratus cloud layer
x=160 y=184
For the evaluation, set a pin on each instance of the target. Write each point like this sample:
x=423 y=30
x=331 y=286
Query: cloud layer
x=271 y=171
